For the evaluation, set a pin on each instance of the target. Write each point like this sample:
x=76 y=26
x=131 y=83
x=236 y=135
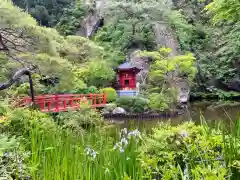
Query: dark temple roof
x=127 y=65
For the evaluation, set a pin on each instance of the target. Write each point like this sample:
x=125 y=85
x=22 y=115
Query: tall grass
x=61 y=155
x=230 y=131
x=97 y=155
x=231 y=140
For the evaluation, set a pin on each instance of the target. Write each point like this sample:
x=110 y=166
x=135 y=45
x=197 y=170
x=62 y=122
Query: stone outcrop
x=142 y=63
x=93 y=21
x=119 y=110
x=166 y=38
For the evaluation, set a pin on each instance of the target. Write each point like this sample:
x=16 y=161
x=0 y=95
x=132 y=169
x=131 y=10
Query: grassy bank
x=89 y=156
x=35 y=147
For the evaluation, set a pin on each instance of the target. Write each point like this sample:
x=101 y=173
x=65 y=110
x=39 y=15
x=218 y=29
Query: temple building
x=126 y=79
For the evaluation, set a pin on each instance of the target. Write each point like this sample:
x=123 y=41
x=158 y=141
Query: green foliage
x=81 y=50
x=13 y=162
x=89 y=90
x=88 y=156
x=20 y=121
x=58 y=59
x=80 y=120
x=158 y=102
x=137 y=11
x=110 y=93
x=183 y=65
x=71 y=19
x=224 y=10
x=186 y=150
x=164 y=72
x=119 y=36
x=131 y=26
x=215 y=47
x=47 y=13
x=7 y=144
x=133 y=104
x=183 y=29
x=96 y=73
x=13 y=165
x=109 y=107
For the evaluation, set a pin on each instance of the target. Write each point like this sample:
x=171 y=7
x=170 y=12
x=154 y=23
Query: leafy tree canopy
x=224 y=10
x=47 y=12
x=24 y=43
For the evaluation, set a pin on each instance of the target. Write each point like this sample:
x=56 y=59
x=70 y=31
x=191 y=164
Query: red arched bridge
x=64 y=102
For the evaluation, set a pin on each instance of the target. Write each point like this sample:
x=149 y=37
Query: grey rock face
x=92 y=19
x=165 y=38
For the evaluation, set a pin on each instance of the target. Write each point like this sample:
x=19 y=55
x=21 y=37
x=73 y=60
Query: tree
x=137 y=12
x=164 y=74
x=224 y=10
x=26 y=44
x=96 y=73
x=70 y=21
x=133 y=20
x=46 y=12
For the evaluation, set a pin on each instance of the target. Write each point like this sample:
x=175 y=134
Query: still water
x=211 y=112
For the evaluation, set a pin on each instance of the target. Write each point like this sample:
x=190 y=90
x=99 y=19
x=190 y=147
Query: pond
x=211 y=112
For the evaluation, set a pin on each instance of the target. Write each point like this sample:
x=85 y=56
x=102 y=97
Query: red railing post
x=94 y=102
x=41 y=103
x=90 y=99
x=104 y=98
x=56 y=99
x=64 y=104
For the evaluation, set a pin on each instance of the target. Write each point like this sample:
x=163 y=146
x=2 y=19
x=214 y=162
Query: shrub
x=139 y=104
x=20 y=121
x=88 y=90
x=189 y=150
x=109 y=107
x=80 y=120
x=158 y=102
x=110 y=93
x=132 y=104
x=12 y=162
x=125 y=102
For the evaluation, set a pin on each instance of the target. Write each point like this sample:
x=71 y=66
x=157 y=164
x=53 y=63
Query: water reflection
x=211 y=112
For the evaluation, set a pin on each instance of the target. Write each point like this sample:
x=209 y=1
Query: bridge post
x=104 y=98
x=56 y=103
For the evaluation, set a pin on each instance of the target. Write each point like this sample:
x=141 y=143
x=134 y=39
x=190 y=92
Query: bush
x=13 y=163
x=133 y=104
x=110 y=93
x=109 y=107
x=158 y=102
x=125 y=102
x=80 y=120
x=20 y=121
x=89 y=90
x=194 y=151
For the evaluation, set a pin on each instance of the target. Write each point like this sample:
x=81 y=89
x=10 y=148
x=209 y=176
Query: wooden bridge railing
x=64 y=102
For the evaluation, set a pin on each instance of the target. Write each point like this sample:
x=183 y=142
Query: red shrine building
x=126 y=78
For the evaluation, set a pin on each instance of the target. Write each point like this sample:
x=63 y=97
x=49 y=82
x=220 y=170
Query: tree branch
x=4 y=47
x=15 y=77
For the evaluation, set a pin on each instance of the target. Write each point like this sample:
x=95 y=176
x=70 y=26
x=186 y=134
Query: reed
x=61 y=155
